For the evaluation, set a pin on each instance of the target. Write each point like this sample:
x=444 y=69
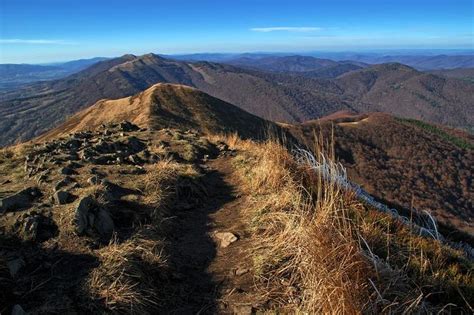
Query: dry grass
x=305 y=257
x=319 y=250
x=132 y=275
x=127 y=279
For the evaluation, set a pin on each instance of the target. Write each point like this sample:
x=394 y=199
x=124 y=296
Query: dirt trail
x=212 y=279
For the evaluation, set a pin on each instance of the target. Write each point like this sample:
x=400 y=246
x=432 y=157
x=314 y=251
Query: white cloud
x=300 y=29
x=36 y=41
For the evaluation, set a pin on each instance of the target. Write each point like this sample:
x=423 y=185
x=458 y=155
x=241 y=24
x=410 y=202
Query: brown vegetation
x=34 y=109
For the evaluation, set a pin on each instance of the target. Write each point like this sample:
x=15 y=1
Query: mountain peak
x=165 y=105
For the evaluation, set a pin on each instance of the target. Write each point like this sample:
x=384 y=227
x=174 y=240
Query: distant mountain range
x=423 y=62
x=13 y=75
x=393 y=88
x=437 y=62
x=316 y=65
x=308 y=66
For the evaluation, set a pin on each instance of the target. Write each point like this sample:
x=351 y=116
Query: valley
x=180 y=187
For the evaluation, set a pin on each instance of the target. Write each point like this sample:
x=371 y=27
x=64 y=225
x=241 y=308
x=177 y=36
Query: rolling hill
x=400 y=90
x=405 y=92
x=417 y=61
x=171 y=211
x=405 y=163
x=305 y=65
x=166 y=105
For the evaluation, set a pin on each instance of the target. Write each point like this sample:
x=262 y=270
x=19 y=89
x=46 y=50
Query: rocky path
x=209 y=242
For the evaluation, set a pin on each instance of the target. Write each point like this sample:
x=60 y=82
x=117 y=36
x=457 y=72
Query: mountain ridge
x=282 y=97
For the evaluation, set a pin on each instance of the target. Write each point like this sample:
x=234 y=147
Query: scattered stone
x=18 y=310
x=103 y=223
x=33 y=226
x=73 y=165
x=82 y=214
x=135 y=144
x=91 y=219
x=222 y=146
x=67 y=171
x=21 y=199
x=14 y=266
x=225 y=238
x=62 y=197
x=241 y=271
x=94 y=180
x=63 y=183
x=128 y=126
x=30 y=227
x=134 y=159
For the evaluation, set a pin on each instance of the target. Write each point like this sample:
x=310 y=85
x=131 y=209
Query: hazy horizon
x=54 y=30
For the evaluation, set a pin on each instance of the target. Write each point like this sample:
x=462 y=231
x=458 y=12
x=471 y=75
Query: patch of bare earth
x=209 y=245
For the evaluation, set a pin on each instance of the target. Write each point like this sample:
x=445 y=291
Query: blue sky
x=34 y=31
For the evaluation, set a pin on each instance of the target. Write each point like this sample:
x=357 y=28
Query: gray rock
x=128 y=126
x=91 y=219
x=241 y=271
x=62 y=197
x=21 y=199
x=67 y=171
x=94 y=180
x=82 y=214
x=225 y=238
x=30 y=227
x=18 y=310
x=15 y=265
x=63 y=183
x=104 y=224
x=135 y=144
x=73 y=143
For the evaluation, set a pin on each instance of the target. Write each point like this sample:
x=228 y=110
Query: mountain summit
x=166 y=105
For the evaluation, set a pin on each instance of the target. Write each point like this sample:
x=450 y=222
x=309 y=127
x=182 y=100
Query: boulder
x=21 y=199
x=82 y=212
x=134 y=144
x=63 y=183
x=103 y=223
x=73 y=143
x=62 y=197
x=128 y=126
x=91 y=219
x=36 y=226
x=31 y=226
x=67 y=171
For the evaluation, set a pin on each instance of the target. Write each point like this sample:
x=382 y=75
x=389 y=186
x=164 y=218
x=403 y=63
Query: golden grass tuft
x=304 y=258
x=127 y=279
x=319 y=250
